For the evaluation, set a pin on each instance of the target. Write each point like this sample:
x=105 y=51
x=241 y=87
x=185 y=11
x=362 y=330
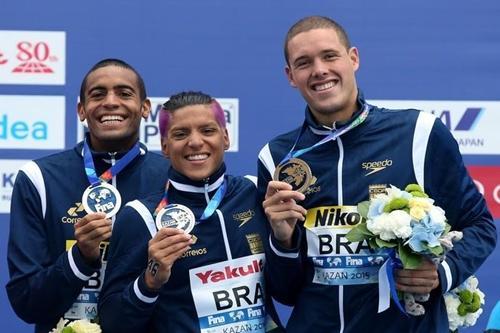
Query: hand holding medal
x=164 y=249
x=90 y=231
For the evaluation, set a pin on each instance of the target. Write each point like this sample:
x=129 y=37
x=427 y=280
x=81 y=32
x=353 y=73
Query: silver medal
x=175 y=216
x=103 y=197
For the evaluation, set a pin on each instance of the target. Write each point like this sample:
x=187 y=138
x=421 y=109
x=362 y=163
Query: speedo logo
x=376 y=166
x=73 y=213
x=244 y=217
x=230 y=272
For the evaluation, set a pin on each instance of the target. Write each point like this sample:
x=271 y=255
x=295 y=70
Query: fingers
x=93 y=227
x=422 y=280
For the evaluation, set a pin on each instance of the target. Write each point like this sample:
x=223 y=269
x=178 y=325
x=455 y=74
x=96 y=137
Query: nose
x=195 y=140
x=319 y=68
x=111 y=100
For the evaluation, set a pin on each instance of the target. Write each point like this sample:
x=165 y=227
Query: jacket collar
x=183 y=183
x=317 y=128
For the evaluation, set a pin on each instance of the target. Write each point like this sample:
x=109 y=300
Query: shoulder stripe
x=145 y=214
x=252 y=178
x=267 y=159
x=32 y=170
x=423 y=128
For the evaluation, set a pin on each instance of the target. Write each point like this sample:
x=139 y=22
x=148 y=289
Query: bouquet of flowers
x=78 y=326
x=463 y=304
x=409 y=224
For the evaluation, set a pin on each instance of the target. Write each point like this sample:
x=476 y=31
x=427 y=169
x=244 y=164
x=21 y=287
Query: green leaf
x=447 y=228
x=410 y=259
x=436 y=250
x=372 y=243
x=356 y=234
x=68 y=329
x=383 y=243
x=413 y=187
x=363 y=208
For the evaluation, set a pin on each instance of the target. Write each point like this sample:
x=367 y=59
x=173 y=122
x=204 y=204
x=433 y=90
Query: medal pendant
x=176 y=216
x=295 y=172
x=102 y=197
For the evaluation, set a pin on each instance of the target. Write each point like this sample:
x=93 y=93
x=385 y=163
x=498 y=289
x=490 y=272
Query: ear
x=81 y=111
x=146 y=108
x=289 y=75
x=164 y=147
x=226 y=139
x=354 y=57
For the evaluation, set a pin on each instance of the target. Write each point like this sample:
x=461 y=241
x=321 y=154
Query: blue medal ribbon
x=212 y=205
x=330 y=137
x=113 y=170
x=387 y=284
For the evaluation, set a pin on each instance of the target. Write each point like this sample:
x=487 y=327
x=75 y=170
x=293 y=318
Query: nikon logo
x=375 y=166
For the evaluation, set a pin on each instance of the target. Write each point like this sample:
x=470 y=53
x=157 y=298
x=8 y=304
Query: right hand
x=89 y=232
x=282 y=210
x=163 y=250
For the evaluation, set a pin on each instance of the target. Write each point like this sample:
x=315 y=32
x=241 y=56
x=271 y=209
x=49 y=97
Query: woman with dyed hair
x=190 y=259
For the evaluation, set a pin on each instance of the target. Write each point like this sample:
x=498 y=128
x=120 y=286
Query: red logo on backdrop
x=3 y=60
x=34 y=58
x=487 y=179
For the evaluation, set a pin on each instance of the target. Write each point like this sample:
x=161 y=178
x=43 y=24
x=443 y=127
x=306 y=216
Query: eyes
x=101 y=93
x=305 y=61
x=183 y=133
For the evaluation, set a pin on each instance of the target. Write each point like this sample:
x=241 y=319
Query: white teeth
x=197 y=157
x=111 y=118
x=324 y=86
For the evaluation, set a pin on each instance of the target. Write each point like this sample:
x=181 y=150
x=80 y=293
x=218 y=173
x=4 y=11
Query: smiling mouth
x=324 y=86
x=197 y=157
x=111 y=119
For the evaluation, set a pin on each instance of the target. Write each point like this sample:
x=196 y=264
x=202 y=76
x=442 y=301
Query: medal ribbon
x=330 y=137
x=207 y=212
x=387 y=284
x=113 y=170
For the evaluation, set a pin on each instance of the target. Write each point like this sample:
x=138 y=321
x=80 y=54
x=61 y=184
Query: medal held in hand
x=175 y=216
x=295 y=172
x=102 y=197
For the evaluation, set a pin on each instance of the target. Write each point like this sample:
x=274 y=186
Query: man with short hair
x=344 y=151
x=57 y=242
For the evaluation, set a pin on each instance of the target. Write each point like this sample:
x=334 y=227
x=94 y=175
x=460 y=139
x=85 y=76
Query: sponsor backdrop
x=441 y=57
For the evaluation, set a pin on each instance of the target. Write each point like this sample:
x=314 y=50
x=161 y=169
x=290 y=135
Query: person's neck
x=340 y=116
x=111 y=146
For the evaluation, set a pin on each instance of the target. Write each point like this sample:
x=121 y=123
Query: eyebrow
x=117 y=87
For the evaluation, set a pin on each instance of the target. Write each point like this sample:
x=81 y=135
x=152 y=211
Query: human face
x=323 y=70
x=195 y=142
x=113 y=108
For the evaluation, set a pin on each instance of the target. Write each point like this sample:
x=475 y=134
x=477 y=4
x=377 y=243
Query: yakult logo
x=230 y=272
x=32 y=57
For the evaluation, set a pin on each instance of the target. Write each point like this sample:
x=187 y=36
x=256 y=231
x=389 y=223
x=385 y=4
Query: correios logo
x=32 y=57
x=32 y=122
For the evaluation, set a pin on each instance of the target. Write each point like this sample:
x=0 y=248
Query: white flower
x=79 y=326
x=390 y=226
x=436 y=214
x=85 y=326
x=452 y=301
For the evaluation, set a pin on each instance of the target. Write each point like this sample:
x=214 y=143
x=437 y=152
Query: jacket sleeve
x=284 y=268
x=125 y=304
x=449 y=184
x=40 y=288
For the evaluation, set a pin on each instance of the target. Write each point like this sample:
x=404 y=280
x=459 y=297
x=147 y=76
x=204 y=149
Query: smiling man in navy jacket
x=57 y=251
x=311 y=264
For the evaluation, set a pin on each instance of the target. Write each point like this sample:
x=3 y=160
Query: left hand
x=421 y=280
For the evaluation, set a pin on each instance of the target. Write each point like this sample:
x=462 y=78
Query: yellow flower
x=423 y=203
x=417 y=213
